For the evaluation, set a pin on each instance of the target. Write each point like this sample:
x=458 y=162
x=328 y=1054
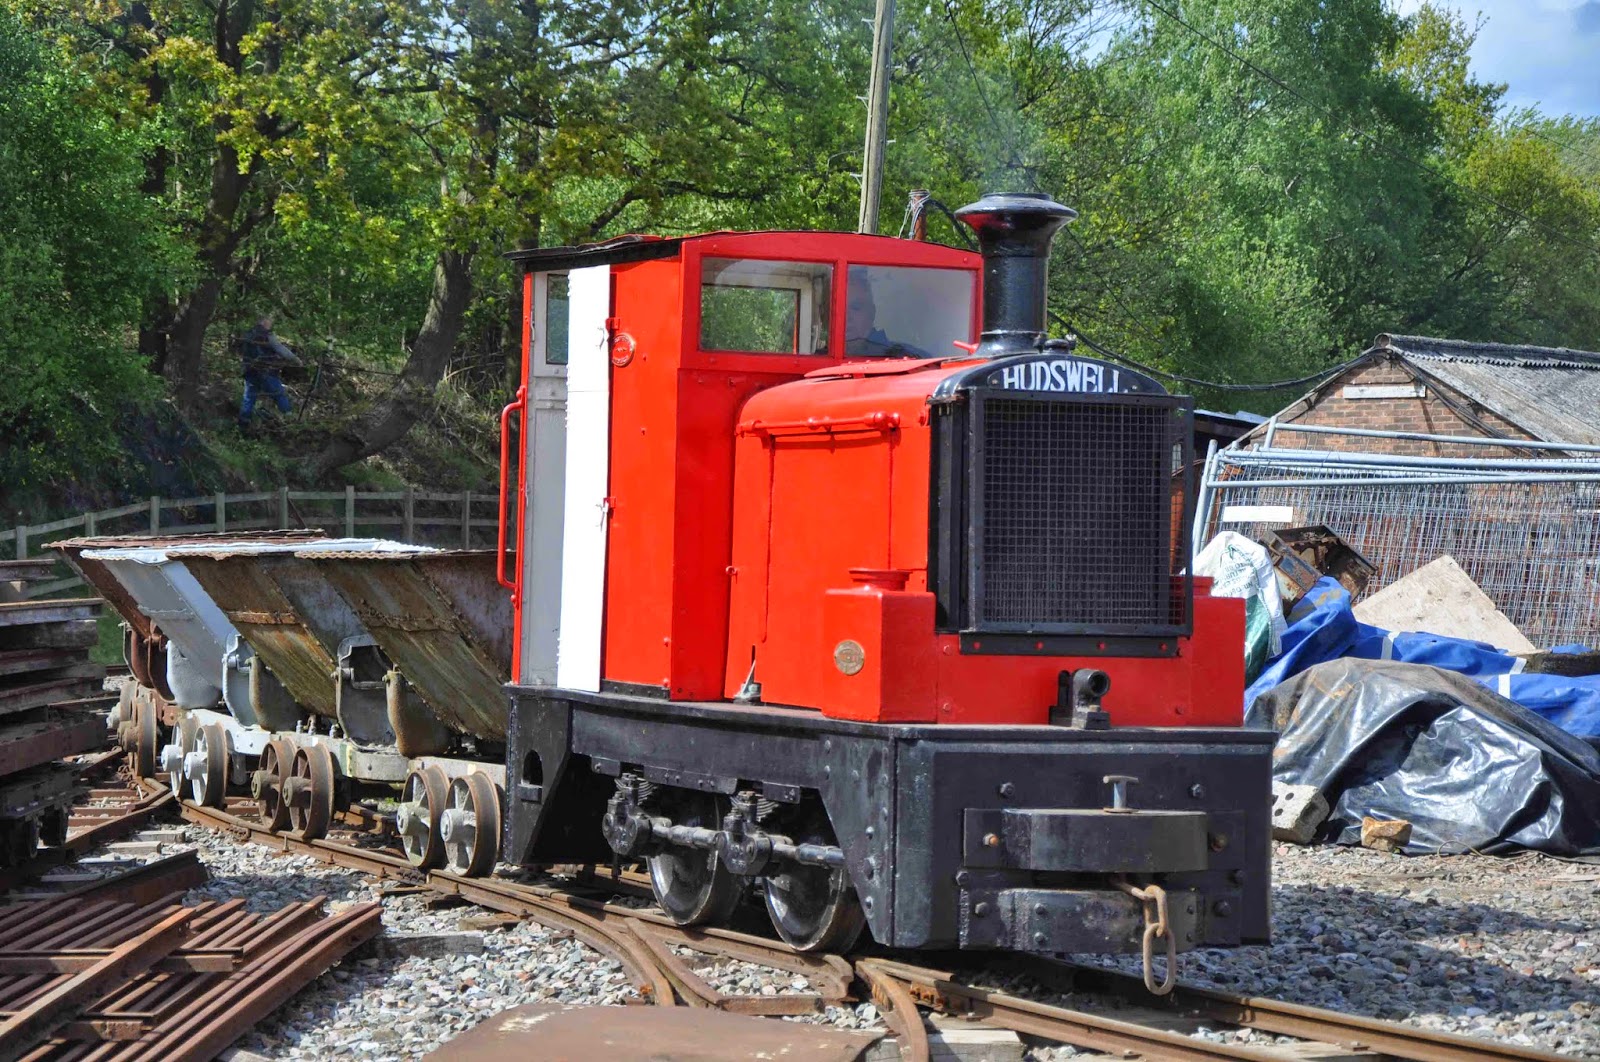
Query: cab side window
x=755 y=306
x=906 y=311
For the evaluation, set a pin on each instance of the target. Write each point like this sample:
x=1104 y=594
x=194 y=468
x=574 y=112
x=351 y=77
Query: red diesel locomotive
x=882 y=622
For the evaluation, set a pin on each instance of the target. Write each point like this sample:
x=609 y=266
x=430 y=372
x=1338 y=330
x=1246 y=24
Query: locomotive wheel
x=208 y=783
x=422 y=805
x=266 y=785
x=147 y=733
x=470 y=825
x=309 y=792
x=814 y=908
x=691 y=884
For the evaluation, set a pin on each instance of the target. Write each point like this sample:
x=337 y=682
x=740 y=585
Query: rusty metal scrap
x=443 y=621
x=162 y=982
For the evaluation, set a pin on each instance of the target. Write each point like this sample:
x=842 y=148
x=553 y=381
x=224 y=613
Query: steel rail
x=1310 y=1023
x=638 y=937
x=646 y=974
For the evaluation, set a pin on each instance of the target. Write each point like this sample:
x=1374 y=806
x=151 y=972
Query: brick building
x=1450 y=387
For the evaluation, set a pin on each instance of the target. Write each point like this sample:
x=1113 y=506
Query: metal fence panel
x=1530 y=540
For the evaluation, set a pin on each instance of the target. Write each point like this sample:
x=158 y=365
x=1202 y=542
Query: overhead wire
x=1216 y=385
x=994 y=119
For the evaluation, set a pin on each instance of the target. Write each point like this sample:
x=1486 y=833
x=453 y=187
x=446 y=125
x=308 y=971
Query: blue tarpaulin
x=1322 y=627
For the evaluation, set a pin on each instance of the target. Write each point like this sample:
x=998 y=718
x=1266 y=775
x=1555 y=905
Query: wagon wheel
x=422 y=804
x=309 y=792
x=184 y=737
x=53 y=827
x=814 y=908
x=18 y=840
x=208 y=768
x=470 y=825
x=266 y=784
x=147 y=733
x=691 y=884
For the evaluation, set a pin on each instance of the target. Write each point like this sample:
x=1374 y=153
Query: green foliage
x=1263 y=184
x=79 y=250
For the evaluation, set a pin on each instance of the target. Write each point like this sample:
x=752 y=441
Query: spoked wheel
x=146 y=740
x=814 y=908
x=422 y=805
x=470 y=825
x=309 y=792
x=184 y=737
x=207 y=766
x=691 y=884
x=266 y=784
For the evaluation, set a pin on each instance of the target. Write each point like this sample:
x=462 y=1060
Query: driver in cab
x=862 y=336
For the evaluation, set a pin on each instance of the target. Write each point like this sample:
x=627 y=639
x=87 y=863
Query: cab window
x=556 y=307
x=906 y=311
x=760 y=307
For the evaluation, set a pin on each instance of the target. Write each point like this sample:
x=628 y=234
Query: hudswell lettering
x=1059 y=375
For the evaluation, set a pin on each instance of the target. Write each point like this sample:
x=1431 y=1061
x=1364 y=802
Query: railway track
x=658 y=956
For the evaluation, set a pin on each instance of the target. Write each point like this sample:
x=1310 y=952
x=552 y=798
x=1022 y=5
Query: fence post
x=22 y=542
x=466 y=519
x=349 y=512
x=283 y=508
x=91 y=526
x=155 y=513
x=222 y=511
x=408 y=519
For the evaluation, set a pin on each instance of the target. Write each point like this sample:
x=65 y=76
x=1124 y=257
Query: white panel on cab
x=588 y=462
x=545 y=458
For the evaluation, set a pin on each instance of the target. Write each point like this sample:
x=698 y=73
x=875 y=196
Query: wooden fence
x=466 y=520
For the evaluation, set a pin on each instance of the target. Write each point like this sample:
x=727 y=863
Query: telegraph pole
x=877 y=116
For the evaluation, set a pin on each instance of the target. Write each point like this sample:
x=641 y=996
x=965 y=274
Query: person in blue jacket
x=263 y=356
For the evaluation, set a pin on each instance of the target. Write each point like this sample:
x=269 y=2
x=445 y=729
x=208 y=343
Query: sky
x=1547 y=52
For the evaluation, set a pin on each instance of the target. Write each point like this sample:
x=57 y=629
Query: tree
x=236 y=101
x=80 y=247
x=559 y=122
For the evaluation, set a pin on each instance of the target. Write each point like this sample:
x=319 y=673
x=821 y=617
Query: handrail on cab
x=520 y=403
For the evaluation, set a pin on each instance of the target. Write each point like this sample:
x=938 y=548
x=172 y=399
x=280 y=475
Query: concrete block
x=162 y=836
x=429 y=945
x=1297 y=811
x=953 y=1040
x=1440 y=598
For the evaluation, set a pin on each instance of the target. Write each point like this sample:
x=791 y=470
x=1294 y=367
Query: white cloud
x=1547 y=52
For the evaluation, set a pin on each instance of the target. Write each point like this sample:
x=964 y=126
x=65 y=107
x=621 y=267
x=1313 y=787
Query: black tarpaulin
x=1467 y=768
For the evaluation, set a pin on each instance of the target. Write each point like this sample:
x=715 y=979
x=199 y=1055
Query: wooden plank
x=73 y=634
x=47 y=692
x=60 y=610
x=29 y=570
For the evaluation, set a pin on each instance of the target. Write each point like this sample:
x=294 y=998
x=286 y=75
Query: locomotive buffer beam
x=1003 y=907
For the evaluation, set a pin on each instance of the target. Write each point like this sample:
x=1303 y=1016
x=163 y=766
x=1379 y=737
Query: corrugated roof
x=1552 y=393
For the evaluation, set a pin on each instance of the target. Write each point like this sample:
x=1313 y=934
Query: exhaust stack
x=1014 y=233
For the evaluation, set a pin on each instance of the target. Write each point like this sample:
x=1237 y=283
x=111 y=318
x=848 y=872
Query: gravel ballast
x=1504 y=949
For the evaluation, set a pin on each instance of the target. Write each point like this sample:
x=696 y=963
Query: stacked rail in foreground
x=51 y=705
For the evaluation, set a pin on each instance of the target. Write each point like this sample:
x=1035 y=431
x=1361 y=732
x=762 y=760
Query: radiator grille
x=1074 y=515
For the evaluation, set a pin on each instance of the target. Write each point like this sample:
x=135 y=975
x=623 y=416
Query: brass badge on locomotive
x=849 y=657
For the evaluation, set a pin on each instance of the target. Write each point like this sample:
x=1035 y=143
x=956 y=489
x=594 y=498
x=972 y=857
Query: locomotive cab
x=870 y=602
